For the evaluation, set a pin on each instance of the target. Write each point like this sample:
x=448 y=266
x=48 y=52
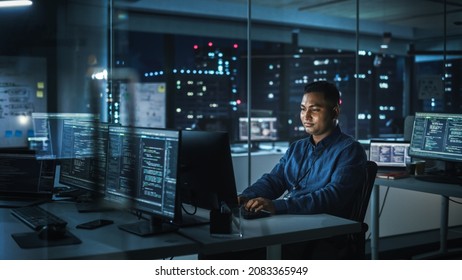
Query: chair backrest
x=356 y=243
x=362 y=201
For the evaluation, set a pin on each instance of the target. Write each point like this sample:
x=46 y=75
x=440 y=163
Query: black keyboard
x=37 y=217
x=250 y=215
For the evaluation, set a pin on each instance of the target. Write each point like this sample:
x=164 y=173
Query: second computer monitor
x=83 y=155
x=261 y=129
x=437 y=136
x=206 y=174
x=141 y=174
x=393 y=154
x=48 y=129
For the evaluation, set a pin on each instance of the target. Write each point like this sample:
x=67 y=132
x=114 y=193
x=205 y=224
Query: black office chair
x=347 y=246
x=356 y=248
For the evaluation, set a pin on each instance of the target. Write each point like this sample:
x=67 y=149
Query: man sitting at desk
x=318 y=174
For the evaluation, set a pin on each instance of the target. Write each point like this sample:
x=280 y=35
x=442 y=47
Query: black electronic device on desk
x=52 y=232
x=49 y=229
x=436 y=137
x=250 y=214
x=206 y=175
x=95 y=224
x=37 y=218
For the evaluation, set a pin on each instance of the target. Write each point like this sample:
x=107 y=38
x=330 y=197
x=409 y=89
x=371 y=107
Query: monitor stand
x=153 y=226
x=190 y=218
x=193 y=220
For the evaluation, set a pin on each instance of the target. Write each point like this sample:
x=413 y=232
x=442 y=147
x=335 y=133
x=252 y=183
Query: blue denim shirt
x=322 y=178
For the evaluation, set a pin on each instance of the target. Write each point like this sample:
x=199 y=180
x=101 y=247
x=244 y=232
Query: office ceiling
x=422 y=18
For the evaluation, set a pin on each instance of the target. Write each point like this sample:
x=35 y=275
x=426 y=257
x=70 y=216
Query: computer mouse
x=52 y=232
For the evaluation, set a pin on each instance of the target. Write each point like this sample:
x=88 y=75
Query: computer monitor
x=438 y=136
x=83 y=158
x=47 y=134
x=24 y=179
x=206 y=172
x=389 y=154
x=262 y=129
x=141 y=174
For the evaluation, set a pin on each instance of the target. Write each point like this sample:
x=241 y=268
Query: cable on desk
x=138 y=214
x=381 y=209
x=186 y=211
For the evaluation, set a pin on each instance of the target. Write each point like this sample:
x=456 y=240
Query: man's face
x=318 y=117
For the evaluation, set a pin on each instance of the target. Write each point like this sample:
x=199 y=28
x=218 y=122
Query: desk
x=445 y=190
x=273 y=231
x=107 y=242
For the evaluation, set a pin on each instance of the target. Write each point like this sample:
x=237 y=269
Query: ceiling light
x=14 y=3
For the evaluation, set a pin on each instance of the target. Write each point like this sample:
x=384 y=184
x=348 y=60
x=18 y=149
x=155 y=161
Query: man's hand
x=259 y=203
x=242 y=200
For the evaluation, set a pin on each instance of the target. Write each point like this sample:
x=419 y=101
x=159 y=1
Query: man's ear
x=335 y=112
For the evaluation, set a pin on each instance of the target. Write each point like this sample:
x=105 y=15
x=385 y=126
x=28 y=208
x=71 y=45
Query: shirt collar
x=329 y=139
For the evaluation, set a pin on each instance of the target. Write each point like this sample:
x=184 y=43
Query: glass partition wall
x=212 y=64
x=221 y=61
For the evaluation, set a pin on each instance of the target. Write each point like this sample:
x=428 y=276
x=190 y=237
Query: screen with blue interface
x=437 y=136
x=47 y=132
x=141 y=173
x=389 y=153
x=83 y=155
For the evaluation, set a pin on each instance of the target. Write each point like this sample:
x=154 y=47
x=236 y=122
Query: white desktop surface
x=107 y=242
x=412 y=184
x=274 y=230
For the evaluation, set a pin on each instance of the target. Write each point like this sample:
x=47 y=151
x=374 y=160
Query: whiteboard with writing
x=143 y=104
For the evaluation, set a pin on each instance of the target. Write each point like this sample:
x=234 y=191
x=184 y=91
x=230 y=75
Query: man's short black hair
x=329 y=90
